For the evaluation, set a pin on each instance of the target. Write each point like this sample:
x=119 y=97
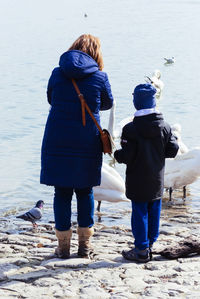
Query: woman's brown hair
x=90 y=45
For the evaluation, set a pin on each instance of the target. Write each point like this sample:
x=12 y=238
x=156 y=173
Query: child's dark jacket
x=146 y=142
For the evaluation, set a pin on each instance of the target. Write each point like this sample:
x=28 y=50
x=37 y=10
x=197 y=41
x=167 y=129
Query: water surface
x=135 y=37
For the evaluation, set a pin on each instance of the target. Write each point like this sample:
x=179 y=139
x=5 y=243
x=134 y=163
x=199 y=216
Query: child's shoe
x=142 y=256
x=150 y=251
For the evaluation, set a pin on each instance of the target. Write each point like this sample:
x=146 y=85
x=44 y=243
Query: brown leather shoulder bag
x=106 y=139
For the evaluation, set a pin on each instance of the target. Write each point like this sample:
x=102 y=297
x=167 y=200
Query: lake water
x=135 y=36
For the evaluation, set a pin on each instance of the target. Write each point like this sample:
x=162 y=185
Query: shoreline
x=30 y=270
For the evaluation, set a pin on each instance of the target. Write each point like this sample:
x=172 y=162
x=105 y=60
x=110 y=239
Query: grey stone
x=66 y=263
x=103 y=264
x=28 y=267
x=30 y=275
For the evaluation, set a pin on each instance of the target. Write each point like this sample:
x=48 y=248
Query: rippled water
x=135 y=37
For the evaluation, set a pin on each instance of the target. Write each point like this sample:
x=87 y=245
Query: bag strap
x=85 y=106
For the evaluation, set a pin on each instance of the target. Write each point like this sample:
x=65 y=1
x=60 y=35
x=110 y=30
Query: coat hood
x=77 y=64
x=149 y=126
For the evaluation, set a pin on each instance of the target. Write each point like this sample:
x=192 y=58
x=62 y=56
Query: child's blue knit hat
x=144 y=96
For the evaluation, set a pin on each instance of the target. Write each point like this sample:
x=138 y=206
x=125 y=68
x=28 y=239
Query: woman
x=71 y=152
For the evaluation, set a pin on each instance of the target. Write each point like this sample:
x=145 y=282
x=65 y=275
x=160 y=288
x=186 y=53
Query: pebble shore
x=29 y=269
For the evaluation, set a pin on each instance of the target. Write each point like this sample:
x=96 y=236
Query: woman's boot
x=84 y=236
x=63 y=249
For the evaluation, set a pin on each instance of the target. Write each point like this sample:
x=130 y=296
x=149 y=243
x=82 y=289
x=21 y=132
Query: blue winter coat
x=71 y=153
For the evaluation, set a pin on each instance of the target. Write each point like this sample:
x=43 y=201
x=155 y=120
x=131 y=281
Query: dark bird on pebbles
x=33 y=214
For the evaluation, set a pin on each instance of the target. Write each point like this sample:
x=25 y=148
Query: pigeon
x=169 y=60
x=34 y=214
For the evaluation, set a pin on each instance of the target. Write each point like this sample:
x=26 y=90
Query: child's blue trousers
x=62 y=207
x=145 y=222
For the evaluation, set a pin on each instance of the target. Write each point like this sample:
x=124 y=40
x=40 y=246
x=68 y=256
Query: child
x=145 y=142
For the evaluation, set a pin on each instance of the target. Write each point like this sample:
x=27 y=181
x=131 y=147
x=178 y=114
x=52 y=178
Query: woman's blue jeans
x=62 y=207
x=145 y=222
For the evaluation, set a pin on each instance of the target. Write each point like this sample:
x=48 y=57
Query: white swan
x=112 y=186
x=176 y=130
x=111 y=123
x=169 y=60
x=156 y=81
x=125 y=121
x=116 y=131
x=183 y=170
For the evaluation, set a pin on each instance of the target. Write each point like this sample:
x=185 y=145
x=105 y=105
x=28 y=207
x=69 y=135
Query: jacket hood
x=77 y=64
x=149 y=126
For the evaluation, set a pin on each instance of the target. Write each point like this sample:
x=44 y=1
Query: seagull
x=169 y=60
x=34 y=214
